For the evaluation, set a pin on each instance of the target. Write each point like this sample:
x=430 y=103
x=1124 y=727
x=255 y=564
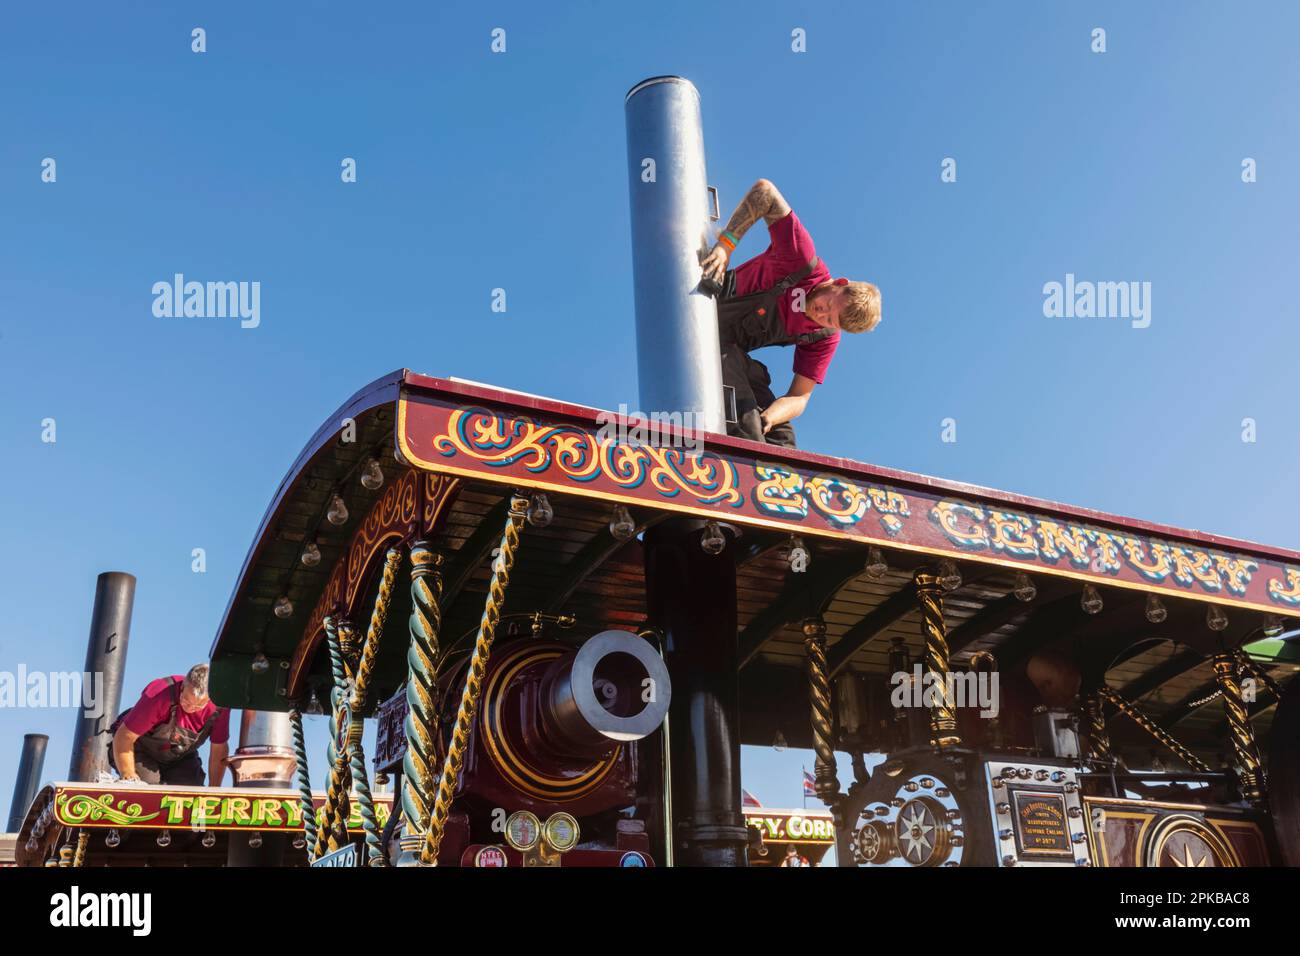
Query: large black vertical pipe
x=28 y=780
x=691 y=598
x=110 y=631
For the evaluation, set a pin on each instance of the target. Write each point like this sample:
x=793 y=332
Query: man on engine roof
x=157 y=739
x=783 y=296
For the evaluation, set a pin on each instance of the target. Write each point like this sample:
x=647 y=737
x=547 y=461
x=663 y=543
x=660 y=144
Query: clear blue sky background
x=479 y=171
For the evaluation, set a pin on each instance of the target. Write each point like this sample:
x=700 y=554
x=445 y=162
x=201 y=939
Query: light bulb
x=1215 y=619
x=778 y=742
x=338 y=513
x=711 y=540
x=1156 y=610
x=112 y=838
x=310 y=556
x=949 y=575
x=1025 y=589
x=621 y=525
x=209 y=839
x=254 y=840
x=1273 y=626
x=165 y=838
x=540 y=513
x=372 y=476
x=283 y=606
x=313 y=707
x=299 y=842
x=1091 y=601
x=260 y=663
x=876 y=567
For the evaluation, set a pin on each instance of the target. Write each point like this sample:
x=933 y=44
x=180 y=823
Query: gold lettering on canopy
x=919 y=514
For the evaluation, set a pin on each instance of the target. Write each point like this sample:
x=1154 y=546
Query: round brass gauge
x=561 y=832
x=523 y=830
x=875 y=842
x=923 y=834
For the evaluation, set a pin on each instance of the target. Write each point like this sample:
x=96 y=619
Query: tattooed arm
x=763 y=201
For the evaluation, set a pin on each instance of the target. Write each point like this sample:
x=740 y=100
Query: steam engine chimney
x=28 y=779
x=679 y=365
x=110 y=631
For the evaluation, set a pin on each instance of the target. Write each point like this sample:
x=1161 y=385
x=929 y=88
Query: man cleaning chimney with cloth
x=783 y=296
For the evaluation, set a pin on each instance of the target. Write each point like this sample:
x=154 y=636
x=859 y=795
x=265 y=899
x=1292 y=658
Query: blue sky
x=479 y=170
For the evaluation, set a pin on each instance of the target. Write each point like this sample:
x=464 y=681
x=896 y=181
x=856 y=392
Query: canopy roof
x=428 y=432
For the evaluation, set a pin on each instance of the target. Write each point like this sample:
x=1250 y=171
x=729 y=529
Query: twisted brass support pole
x=305 y=800
x=1133 y=713
x=1097 y=739
x=327 y=839
x=349 y=648
x=943 y=715
x=83 y=840
x=451 y=767
x=357 y=706
x=1246 y=763
x=421 y=724
x=827 y=784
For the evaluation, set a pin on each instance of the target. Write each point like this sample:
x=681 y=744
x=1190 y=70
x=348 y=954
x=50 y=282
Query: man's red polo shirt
x=790 y=249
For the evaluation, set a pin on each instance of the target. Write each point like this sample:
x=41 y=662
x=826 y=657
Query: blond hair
x=861 y=309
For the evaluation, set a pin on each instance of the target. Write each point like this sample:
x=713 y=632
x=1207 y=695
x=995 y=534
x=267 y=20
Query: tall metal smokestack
x=679 y=365
x=110 y=631
x=28 y=780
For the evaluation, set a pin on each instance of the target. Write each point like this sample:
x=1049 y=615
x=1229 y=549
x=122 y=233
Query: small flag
x=809 y=784
x=747 y=799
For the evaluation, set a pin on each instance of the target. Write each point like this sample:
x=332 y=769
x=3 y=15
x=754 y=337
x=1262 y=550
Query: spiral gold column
x=83 y=840
x=305 y=800
x=1097 y=740
x=943 y=715
x=357 y=705
x=1133 y=713
x=469 y=697
x=327 y=839
x=827 y=784
x=421 y=725
x=1246 y=763
x=349 y=647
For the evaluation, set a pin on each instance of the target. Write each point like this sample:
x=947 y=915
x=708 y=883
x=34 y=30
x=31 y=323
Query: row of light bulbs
x=713 y=541
x=623 y=527
x=372 y=479
x=164 y=838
